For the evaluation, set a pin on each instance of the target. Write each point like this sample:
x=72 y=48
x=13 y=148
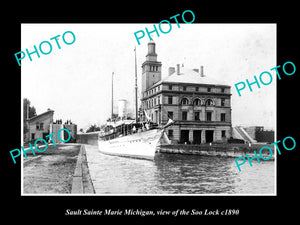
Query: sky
x=75 y=81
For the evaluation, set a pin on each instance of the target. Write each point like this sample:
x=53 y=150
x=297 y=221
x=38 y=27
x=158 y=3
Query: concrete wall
x=88 y=138
x=73 y=130
x=265 y=136
x=259 y=134
x=228 y=150
x=55 y=128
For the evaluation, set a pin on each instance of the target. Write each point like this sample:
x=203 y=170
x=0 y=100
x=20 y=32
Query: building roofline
x=181 y=83
x=195 y=84
x=40 y=115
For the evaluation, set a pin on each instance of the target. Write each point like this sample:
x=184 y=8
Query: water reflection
x=194 y=174
x=178 y=174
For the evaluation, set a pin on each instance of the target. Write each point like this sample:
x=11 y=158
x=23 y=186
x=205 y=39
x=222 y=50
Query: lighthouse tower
x=151 y=68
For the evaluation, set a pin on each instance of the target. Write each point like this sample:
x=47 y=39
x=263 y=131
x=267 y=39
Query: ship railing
x=128 y=129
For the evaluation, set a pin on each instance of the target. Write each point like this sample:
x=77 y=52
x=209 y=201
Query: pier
x=224 y=149
x=62 y=169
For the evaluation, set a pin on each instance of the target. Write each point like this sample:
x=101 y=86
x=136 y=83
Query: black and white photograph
x=150 y=112
x=163 y=117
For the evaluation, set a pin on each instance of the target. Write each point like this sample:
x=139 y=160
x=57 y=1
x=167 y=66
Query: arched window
x=184 y=101
x=197 y=102
x=209 y=102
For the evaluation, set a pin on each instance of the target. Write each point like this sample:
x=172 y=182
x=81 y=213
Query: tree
x=27 y=109
x=93 y=128
x=30 y=109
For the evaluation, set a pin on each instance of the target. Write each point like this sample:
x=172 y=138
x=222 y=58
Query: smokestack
x=178 y=69
x=201 y=71
x=171 y=70
x=122 y=108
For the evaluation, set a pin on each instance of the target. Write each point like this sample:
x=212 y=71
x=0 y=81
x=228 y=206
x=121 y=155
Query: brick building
x=199 y=105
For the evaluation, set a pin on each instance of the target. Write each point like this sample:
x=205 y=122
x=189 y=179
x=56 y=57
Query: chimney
x=171 y=70
x=196 y=70
x=178 y=69
x=201 y=71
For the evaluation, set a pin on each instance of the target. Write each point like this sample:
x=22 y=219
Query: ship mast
x=136 y=87
x=112 y=95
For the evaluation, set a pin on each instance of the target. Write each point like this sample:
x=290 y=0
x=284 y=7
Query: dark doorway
x=197 y=136
x=44 y=136
x=184 y=136
x=209 y=136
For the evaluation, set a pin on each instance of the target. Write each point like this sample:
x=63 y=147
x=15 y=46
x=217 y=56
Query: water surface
x=178 y=174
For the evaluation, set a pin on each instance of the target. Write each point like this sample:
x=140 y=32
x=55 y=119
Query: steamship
x=132 y=138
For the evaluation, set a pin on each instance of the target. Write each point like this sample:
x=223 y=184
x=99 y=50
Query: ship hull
x=141 y=145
